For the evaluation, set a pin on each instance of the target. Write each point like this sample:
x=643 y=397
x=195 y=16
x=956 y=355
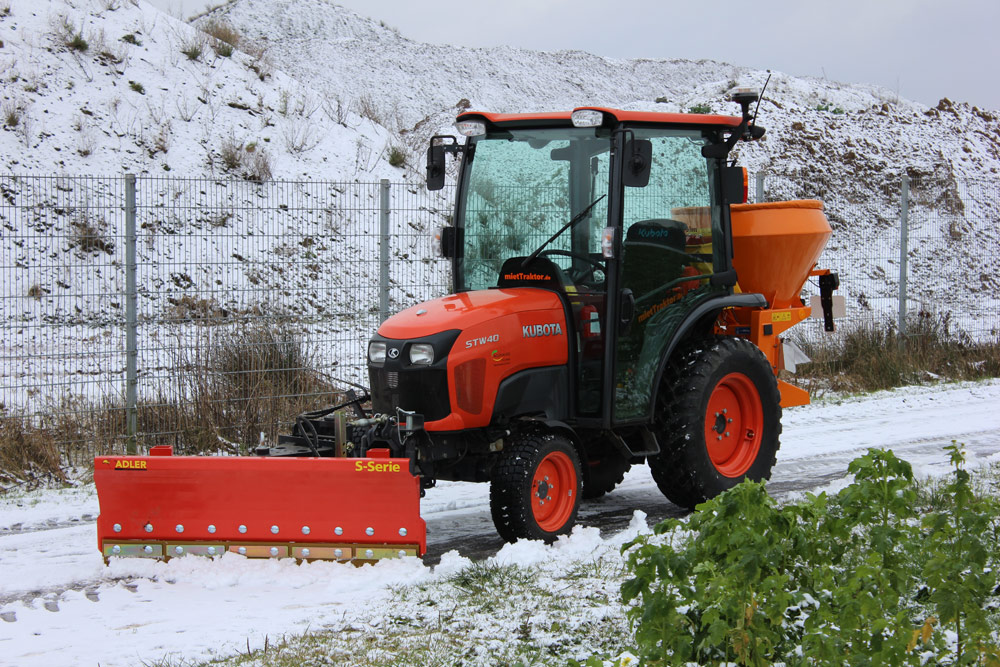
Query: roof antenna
x=757 y=108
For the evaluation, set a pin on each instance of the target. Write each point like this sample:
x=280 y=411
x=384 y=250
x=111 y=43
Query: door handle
x=626 y=311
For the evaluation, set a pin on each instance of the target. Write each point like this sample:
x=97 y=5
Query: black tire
x=517 y=480
x=602 y=475
x=687 y=471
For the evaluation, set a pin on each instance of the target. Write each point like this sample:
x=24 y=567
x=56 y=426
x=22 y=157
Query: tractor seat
x=654 y=254
x=541 y=272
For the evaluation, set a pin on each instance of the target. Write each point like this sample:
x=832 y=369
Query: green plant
x=77 y=42
x=852 y=580
x=137 y=87
x=662 y=100
x=193 y=49
x=700 y=108
x=130 y=38
x=960 y=572
x=397 y=157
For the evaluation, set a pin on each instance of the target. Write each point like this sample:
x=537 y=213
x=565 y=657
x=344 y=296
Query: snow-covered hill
x=314 y=91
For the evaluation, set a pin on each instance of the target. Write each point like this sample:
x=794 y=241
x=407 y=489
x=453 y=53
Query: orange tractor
x=615 y=302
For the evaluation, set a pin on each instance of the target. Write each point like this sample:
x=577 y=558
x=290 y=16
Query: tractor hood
x=477 y=340
x=466 y=310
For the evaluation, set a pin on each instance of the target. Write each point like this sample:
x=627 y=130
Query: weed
x=854 y=579
x=487 y=579
x=131 y=38
x=27 y=452
x=700 y=108
x=248 y=161
x=137 y=87
x=77 y=42
x=87 y=237
x=662 y=100
x=11 y=112
x=367 y=108
x=873 y=357
x=221 y=31
x=193 y=48
x=231 y=152
x=397 y=157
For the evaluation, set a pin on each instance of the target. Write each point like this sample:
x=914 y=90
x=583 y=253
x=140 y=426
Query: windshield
x=522 y=186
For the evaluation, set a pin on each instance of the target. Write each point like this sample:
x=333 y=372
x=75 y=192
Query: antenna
x=757 y=108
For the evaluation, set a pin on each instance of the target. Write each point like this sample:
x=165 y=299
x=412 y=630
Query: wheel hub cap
x=733 y=422
x=552 y=497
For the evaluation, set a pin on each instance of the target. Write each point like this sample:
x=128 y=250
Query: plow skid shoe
x=346 y=509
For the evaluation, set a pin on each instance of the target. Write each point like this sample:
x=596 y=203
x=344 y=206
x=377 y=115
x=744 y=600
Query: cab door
x=671 y=240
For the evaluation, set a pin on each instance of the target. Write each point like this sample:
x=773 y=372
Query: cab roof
x=564 y=117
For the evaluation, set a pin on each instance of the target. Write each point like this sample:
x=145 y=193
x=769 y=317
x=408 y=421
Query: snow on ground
x=59 y=603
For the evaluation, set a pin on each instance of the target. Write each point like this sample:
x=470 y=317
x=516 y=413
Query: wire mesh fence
x=254 y=301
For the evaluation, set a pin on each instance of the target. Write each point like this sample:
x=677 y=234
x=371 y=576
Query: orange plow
x=345 y=509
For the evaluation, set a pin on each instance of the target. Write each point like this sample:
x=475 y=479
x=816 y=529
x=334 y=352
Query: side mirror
x=734 y=184
x=435 y=167
x=448 y=242
x=638 y=163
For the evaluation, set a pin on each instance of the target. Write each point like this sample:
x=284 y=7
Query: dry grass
x=871 y=358
x=27 y=452
x=236 y=383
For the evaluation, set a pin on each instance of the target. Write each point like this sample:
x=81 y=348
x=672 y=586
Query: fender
x=709 y=308
x=535 y=391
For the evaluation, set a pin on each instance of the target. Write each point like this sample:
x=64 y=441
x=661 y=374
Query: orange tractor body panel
x=503 y=332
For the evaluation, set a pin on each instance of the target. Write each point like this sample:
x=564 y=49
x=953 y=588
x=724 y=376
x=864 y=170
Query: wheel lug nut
x=729 y=421
x=727 y=434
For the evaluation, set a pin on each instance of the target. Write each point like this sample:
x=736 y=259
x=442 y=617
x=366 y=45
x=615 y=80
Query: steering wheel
x=583 y=277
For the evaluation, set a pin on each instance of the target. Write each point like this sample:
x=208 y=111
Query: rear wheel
x=719 y=416
x=535 y=486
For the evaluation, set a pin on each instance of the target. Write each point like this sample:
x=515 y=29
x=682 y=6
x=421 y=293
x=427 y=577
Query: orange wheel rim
x=733 y=424
x=553 y=487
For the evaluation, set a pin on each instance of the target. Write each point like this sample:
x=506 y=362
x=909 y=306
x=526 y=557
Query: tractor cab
x=621 y=213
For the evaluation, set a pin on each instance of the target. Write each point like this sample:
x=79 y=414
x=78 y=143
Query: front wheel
x=719 y=414
x=535 y=486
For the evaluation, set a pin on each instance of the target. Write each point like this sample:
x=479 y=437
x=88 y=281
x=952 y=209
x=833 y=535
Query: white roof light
x=744 y=91
x=587 y=118
x=471 y=128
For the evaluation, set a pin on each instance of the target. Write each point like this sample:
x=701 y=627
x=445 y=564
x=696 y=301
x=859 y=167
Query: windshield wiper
x=576 y=218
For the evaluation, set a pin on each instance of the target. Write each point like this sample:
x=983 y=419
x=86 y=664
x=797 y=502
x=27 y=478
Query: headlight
x=376 y=352
x=422 y=354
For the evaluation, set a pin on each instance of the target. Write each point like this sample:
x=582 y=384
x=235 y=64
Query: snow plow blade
x=345 y=509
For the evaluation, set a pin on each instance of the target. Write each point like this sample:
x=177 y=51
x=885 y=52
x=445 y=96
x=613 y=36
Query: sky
x=922 y=50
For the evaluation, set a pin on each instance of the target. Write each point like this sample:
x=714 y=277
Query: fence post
x=759 y=194
x=904 y=212
x=383 y=251
x=131 y=320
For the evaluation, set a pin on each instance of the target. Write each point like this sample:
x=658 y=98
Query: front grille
x=421 y=390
